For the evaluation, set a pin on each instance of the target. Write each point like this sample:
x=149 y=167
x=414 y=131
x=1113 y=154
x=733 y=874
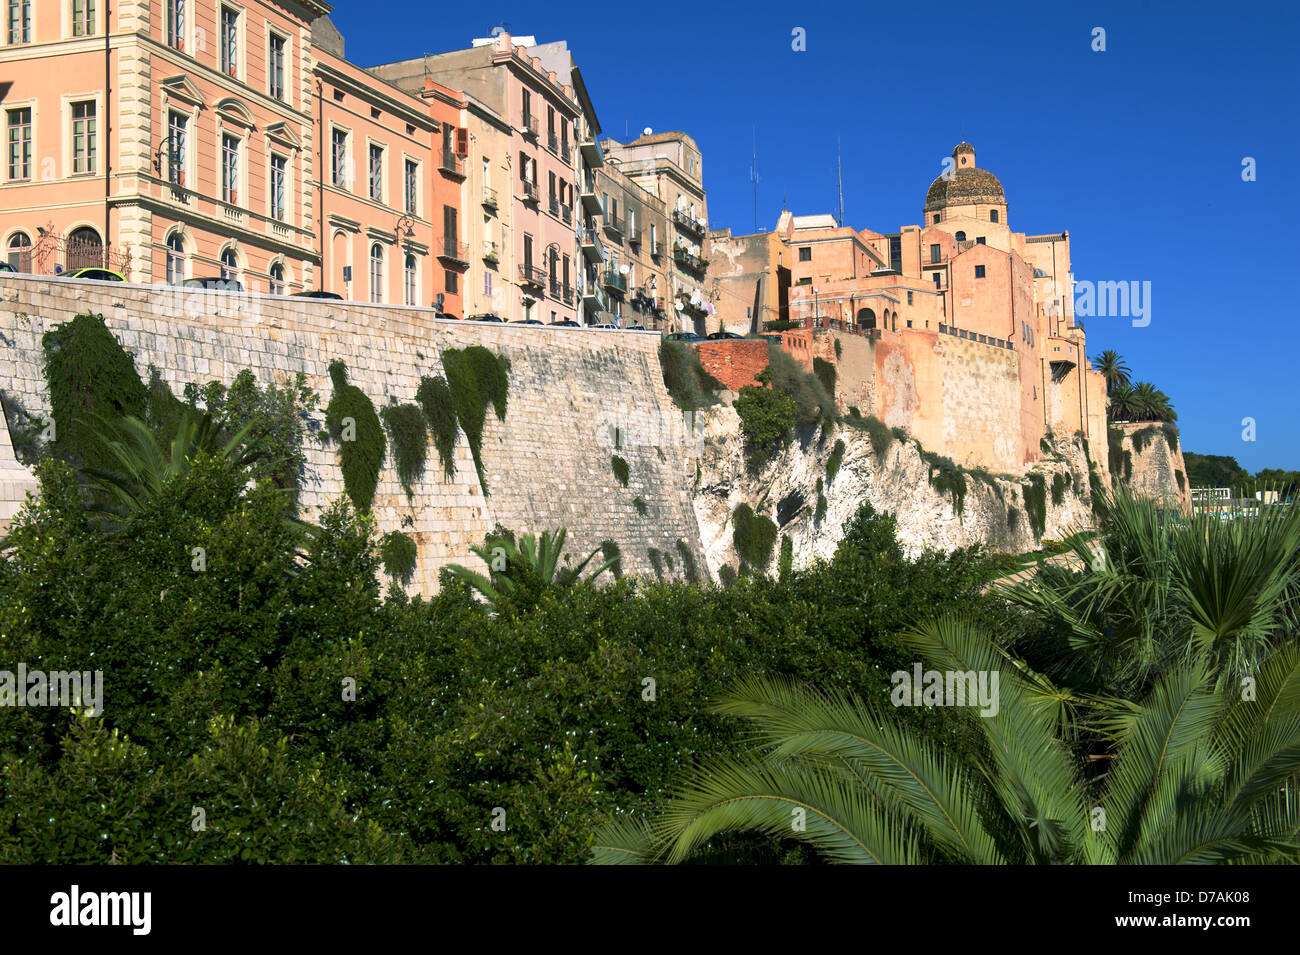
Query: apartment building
x=162 y=138
x=669 y=166
x=637 y=272
x=522 y=119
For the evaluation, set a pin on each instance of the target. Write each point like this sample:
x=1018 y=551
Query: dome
x=967 y=184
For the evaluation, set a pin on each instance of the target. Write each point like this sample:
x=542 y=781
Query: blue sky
x=1137 y=150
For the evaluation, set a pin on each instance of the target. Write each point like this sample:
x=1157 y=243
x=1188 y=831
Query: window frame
x=282 y=213
x=340 y=163
x=272 y=36
x=26 y=22
x=375 y=185
x=29 y=152
x=228 y=47
x=376 y=273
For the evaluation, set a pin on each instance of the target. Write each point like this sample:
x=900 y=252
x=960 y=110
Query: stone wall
x=547 y=465
x=734 y=362
x=1158 y=471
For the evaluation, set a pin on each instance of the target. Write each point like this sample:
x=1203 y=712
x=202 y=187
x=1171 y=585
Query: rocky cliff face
x=1149 y=458
x=993 y=513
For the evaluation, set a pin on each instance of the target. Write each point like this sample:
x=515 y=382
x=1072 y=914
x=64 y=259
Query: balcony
x=566 y=154
x=452 y=164
x=592 y=154
x=529 y=126
x=490 y=253
x=553 y=143
x=688 y=260
x=593 y=296
x=554 y=206
x=490 y=201
x=634 y=237
x=560 y=292
x=454 y=253
x=592 y=247
x=531 y=276
x=566 y=213
x=694 y=309
x=689 y=224
x=615 y=282
x=589 y=198
x=615 y=226
x=529 y=192
x=657 y=251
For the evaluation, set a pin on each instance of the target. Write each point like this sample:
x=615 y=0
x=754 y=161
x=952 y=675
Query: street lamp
x=409 y=223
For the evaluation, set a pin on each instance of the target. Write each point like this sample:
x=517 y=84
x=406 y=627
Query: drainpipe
x=108 y=128
x=320 y=177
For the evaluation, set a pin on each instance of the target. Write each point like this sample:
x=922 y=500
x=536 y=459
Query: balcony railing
x=451 y=163
x=689 y=260
x=566 y=213
x=694 y=308
x=532 y=275
x=453 y=251
x=691 y=225
x=615 y=282
x=553 y=143
x=561 y=292
x=555 y=207
x=592 y=247
x=529 y=192
x=528 y=125
x=490 y=199
x=589 y=198
x=566 y=154
x=614 y=224
x=593 y=295
x=490 y=253
x=634 y=237
x=657 y=250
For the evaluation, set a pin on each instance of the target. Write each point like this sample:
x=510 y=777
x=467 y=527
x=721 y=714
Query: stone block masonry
x=733 y=362
x=546 y=466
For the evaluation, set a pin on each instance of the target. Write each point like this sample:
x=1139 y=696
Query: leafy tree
x=1113 y=368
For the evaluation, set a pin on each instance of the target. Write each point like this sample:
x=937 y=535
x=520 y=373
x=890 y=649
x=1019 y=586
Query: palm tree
x=519 y=572
x=1196 y=775
x=1121 y=402
x=1113 y=367
x=1146 y=401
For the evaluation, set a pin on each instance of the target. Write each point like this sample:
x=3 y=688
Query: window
x=230 y=169
x=961 y=236
x=528 y=252
x=805 y=253
x=20 y=252
x=408 y=277
x=654 y=239
x=604 y=204
x=376 y=273
x=83 y=17
x=979 y=240
x=936 y=218
x=229 y=41
x=909 y=302
x=979 y=271
x=993 y=215
x=275 y=67
x=339 y=157
x=938 y=280
x=83 y=137
x=20 y=21
x=277 y=279
x=376 y=172
x=487 y=282
x=279 y=192
x=19 y=140
x=176 y=24
x=935 y=254
x=450 y=232
x=176 y=127
x=412 y=180
x=229 y=265
x=450 y=281
x=528 y=110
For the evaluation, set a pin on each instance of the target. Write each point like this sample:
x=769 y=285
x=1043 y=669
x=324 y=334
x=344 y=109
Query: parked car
x=215 y=284
x=97 y=275
x=567 y=323
x=606 y=326
x=318 y=293
x=6 y=267
x=686 y=337
x=717 y=335
x=486 y=318
x=527 y=321
x=636 y=328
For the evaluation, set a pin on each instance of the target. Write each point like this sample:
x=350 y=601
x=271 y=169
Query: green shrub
x=639 y=504
x=825 y=372
x=620 y=469
x=784 y=374
x=361 y=442
x=409 y=438
x=688 y=562
x=727 y=576
x=785 y=563
x=876 y=430
x=92 y=381
x=656 y=561
x=1182 y=482
x=477 y=378
x=854 y=412
x=781 y=326
x=1058 y=489
x=766 y=419
x=1013 y=518
x=947 y=478
x=688 y=384
x=1171 y=434
x=398 y=554
x=1120 y=459
x=1035 y=493
x=834 y=461
x=819 y=514
x=434 y=398
x=754 y=537
x=839 y=350
x=610 y=551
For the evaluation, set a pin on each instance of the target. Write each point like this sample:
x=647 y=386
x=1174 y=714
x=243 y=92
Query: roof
x=668 y=137
x=964 y=185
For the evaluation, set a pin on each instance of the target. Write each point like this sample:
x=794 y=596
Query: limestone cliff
x=993 y=511
x=1149 y=459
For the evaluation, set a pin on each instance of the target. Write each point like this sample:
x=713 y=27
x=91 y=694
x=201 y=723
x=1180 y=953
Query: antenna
x=753 y=175
x=839 y=169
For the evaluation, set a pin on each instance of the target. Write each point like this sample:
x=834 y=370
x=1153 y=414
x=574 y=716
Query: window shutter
x=462 y=142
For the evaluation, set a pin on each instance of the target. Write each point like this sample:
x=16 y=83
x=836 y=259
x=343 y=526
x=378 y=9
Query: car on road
x=636 y=328
x=318 y=293
x=96 y=275
x=527 y=321
x=567 y=324
x=686 y=337
x=606 y=326
x=720 y=335
x=215 y=284
x=486 y=318
x=6 y=267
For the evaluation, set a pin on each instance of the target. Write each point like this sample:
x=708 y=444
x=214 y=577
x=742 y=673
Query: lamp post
x=409 y=224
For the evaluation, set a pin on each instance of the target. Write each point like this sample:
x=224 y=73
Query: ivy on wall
x=1035 y=491
x=834 y=461
x=352 y=422
x=477 y=378
x=754 y=537
x=398 y=553
x=410 y=441
x=620 y=469
x=434 y=398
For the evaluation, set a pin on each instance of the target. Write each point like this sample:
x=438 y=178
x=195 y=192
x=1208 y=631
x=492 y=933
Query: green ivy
x=364 y=456
x=839 y=349
x=785 y=563
x=410 y=441
x=876 y=430
x=1013 y=518
x=656 y=561
x=1120 y=458
x=610 y=551
x=1182 y=483
x=727 y=576
x=477 y=378
x=398 y=552
x=754 y=537
x=834 y=461
x=688 y=384
x=434 y=398
x=639 y=504
x=688 y=562
x=620 y=469
x=947 y=478
x=1058 y=489
x=825 y=372
x=1035 y=491
x=766 y=418
x=820 y=514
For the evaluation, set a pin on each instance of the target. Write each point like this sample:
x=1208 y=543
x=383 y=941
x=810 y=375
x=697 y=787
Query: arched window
x=20 y=252
x=866 y=318
x=961 y=236
x=175 y=259
x=993 y=215
x=376 y=273
x=277 y=279
x=409 y=280
x=936 y=218
x=229 y=265
x=84 y=250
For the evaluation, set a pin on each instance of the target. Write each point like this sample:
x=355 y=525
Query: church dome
x=965 y=185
